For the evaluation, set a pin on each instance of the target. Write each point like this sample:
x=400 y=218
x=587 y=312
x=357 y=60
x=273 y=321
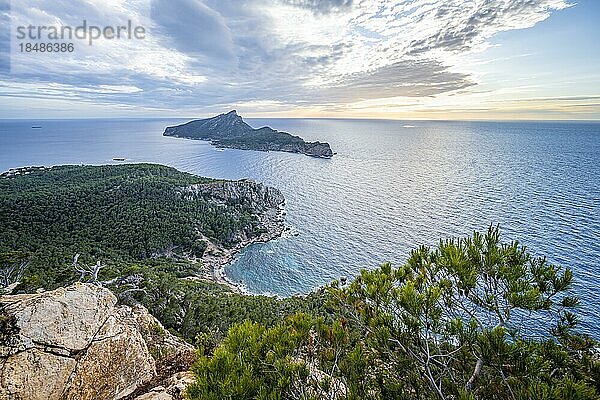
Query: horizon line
x=312 y=118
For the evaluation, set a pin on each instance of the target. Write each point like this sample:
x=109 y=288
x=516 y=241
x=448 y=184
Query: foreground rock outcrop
x=78 y=343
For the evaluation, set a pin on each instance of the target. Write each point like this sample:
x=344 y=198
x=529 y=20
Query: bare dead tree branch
x=11 y=271
x=91 y=272
x=475 y=374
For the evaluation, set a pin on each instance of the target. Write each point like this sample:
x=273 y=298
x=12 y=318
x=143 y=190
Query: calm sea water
x=391 y=187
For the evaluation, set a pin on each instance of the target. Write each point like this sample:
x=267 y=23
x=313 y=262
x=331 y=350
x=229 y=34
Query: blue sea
x=392 y=186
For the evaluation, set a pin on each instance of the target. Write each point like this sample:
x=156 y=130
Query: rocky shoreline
x=275 y=228
x=269 y=206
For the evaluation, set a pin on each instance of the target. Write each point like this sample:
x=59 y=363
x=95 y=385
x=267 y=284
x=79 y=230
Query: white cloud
x=201 y=53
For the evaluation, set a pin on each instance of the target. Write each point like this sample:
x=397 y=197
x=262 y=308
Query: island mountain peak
x=228 y=130
x=230 y=115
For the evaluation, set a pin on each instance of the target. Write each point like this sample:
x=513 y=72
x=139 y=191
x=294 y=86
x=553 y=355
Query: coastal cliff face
x=230 y=131
x=266 y=204
x=78 y=343
x=260 y=196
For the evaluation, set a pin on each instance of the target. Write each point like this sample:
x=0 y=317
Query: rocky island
x=230 y=131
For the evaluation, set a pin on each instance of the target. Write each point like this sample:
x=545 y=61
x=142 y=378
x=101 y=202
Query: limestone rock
x=77 y=343
x=176 y=387
x=66 y=319
x=261 y=196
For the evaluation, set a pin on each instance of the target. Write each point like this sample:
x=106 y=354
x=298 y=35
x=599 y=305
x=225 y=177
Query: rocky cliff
x=78 y=343
x=318 y=149
x=267 y=203
x=260 y=196
x=230 y=130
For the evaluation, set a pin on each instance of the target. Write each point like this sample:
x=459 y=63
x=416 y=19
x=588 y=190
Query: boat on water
x=118 y=159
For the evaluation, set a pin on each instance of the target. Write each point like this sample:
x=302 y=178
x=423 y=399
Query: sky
x=409 y=59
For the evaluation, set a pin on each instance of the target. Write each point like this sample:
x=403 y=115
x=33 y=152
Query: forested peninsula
x=111 y=290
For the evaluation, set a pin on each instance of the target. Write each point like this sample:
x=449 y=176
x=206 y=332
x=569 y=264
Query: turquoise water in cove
x=392 y=186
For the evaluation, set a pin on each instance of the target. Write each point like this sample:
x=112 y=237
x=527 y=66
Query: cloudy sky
x=450 y=59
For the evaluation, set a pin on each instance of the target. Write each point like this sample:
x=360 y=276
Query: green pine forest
x=471 y=318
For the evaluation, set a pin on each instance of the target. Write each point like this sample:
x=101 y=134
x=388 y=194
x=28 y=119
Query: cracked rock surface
x=77 y=343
